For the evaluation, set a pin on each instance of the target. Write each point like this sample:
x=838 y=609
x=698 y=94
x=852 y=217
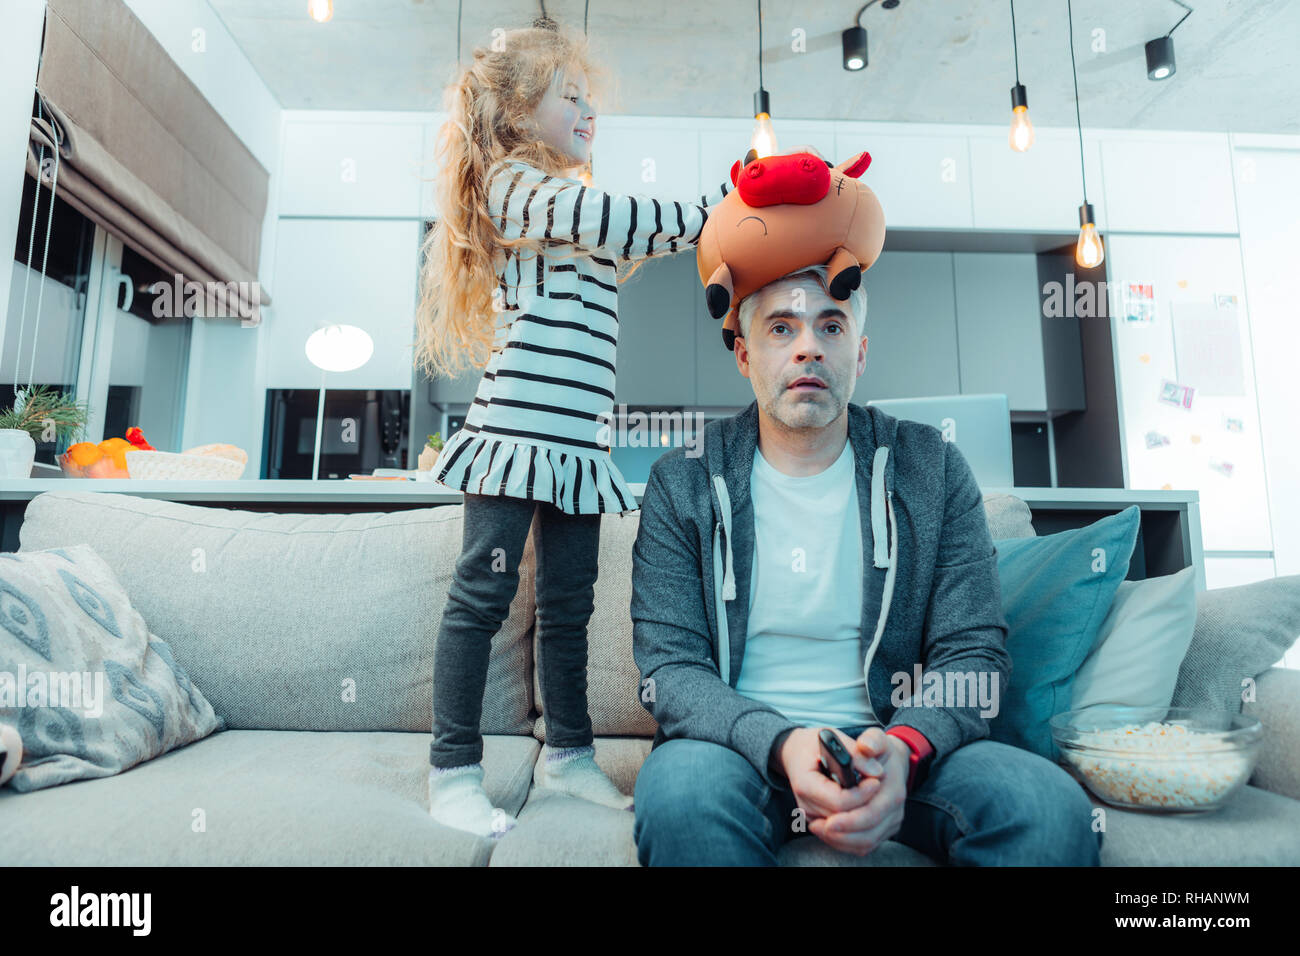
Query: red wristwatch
x=921 y=756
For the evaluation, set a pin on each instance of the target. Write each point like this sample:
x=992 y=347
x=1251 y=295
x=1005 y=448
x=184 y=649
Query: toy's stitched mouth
x=756 y=219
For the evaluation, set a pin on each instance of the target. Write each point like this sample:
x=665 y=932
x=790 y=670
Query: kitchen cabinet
x=352 y=167
x=999 y=327
x=718 y=381
x=646 y=157
x=350 y=271
x=1039 y=190
x=656 y=333
x=1176 y=183
x=922 y=181
x=911 y=328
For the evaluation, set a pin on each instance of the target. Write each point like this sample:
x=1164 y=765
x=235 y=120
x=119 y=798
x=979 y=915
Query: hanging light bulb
x=763 y=139
x=321 y=10
x=1021 y=136
x=1088 y=252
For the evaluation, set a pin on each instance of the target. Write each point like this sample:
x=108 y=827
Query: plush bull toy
x=787 y=213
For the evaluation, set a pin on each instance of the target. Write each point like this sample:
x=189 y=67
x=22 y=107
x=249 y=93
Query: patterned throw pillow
x=89 y=689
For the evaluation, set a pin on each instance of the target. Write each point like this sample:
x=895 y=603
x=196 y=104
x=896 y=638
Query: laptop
x=980 y=425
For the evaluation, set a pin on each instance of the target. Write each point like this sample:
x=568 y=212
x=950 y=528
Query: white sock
x=457 y=799
x=573 y=770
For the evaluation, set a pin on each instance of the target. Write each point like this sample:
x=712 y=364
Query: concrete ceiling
x=938 y=61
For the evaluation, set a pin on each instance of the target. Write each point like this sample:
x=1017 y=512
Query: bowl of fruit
x=105 y=459
x=134 y=457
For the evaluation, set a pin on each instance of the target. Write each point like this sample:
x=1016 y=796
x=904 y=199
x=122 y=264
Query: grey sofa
x=312 y=636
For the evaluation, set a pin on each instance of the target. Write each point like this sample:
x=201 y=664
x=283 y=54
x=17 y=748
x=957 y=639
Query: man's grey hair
x=857 y=299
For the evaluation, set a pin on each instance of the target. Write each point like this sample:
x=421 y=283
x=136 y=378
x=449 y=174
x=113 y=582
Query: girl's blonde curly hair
x=490 y=121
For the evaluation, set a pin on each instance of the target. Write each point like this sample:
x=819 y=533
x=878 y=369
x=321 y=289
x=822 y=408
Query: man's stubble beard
x=799 y=414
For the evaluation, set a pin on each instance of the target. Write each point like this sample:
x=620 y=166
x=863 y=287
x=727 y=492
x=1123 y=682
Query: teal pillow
x=1056 y=592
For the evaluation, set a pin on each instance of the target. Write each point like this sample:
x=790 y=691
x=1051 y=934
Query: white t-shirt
x=802 y=650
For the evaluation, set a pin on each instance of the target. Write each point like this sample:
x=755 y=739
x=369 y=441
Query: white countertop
x=288 y=490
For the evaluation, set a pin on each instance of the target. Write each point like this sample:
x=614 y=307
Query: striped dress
x=541 y=419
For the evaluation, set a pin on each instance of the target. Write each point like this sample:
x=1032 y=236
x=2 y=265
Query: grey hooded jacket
x=930 y=592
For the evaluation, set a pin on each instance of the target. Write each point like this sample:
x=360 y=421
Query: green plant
x=435 y=441
x=46 y=415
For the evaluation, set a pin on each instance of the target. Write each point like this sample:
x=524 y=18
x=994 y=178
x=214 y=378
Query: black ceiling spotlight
x=1160 y=51
x=853 y=41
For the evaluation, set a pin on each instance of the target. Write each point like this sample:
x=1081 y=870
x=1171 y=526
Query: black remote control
x=835 y=760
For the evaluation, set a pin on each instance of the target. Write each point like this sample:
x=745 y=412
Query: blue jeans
x=984 y=804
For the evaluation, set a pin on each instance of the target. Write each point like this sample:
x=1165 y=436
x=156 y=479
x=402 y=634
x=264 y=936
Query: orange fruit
x=116 y=449
x=84 y=453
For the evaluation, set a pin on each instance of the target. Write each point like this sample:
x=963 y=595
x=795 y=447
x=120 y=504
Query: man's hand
x=858 y=820
x=817 y=794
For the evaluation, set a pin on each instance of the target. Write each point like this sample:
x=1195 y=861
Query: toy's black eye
x=830 y=164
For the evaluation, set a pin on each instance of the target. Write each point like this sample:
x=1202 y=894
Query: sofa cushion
x=1134 y=660
x=1277 y=706
x=297 y=621
x=263 y=797
x=1056 y=590
x=1240 y=633
x=613 y=681
x=1254 y=828
x=1008 y=516
x=89 y=689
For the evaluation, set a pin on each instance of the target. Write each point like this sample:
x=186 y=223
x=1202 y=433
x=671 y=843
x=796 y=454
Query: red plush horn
x=859 y=165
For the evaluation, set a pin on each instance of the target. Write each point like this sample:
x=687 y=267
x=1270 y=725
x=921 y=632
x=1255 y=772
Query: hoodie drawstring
x=729 y=578
x=724 y=579
x=880 y=500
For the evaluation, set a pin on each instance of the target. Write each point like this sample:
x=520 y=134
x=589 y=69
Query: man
x=790 y=579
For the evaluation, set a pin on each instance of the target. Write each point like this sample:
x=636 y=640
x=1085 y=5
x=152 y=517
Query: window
x=43 y=342
x=109 y=331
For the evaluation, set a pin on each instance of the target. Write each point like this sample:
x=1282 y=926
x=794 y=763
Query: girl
x=521 y=271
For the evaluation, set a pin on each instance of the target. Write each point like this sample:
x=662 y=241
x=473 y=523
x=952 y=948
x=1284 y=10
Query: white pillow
x=1141 y=644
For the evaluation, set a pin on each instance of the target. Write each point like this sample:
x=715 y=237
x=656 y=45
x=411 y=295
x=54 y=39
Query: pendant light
x=1160 y=51
x=853 y=41
x=321 y=10
x=763 y=139
x=1021 y=136
x=1088 y=251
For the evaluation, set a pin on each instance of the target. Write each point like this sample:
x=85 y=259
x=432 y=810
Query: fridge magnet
x=1180 y=396
x=1194 y=439
x=1155 y=440
x=1182 y=283
x=1166 y=487
x=1145 y=358
x=1234 y=425
x=1139 y=302
x=1222 y=467
x=1225 y=301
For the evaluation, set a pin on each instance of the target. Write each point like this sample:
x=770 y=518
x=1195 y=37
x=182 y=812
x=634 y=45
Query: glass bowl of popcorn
x=1159 y=758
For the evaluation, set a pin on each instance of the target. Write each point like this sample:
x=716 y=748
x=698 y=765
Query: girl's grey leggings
x=482 y=590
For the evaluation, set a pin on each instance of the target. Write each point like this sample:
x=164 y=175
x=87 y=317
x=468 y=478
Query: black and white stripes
x=538 y=425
